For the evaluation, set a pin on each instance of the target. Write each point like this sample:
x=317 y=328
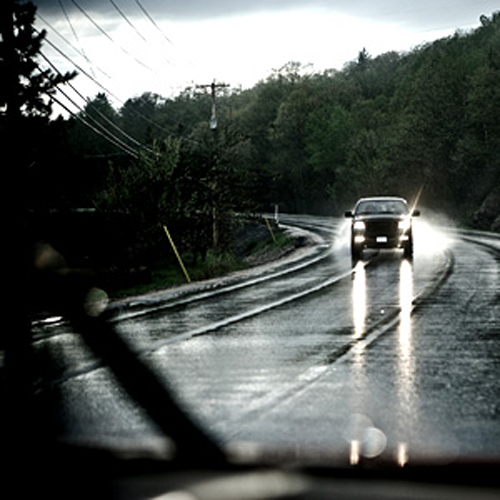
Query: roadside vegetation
x=254 y=245
x=166 y=272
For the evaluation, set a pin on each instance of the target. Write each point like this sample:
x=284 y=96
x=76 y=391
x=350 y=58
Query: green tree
x=138 y=117
x=25 y=89
x=328 y=139
x=93 y=130
x=477 y=153
x=146 y=192
x=290 y=157
x=430 y=118
x=257 y=122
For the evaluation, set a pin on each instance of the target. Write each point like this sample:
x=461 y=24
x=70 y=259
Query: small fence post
x=188 y=279
x=270 y=229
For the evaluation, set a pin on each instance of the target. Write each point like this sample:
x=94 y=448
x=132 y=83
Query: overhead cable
x=97 y=127
x=153 y=22
x=160 y=31
x=75 y=34
x=95 y=109
x=136 y=30
x=76 y=49
x=94 y=129
x=80 y=69
x=102 y=87
x=126 y=19
x=108 y=36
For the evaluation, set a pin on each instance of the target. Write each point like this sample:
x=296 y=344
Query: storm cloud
x=424 y=14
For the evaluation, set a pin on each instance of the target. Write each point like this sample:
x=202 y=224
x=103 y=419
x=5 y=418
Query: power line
x=161 y=32
x=94 y=129
x=102 y=87
x=126 y=19
x=77 y=50
x=153 y=22
x=134 y=27
x=96 y=110
x=94 y=124
x=80 y=69
x=110 y=38
x=75 y=34
x=87 y=119
x=141 y=60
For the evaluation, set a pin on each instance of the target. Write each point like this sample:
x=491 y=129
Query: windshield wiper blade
x=193 y=445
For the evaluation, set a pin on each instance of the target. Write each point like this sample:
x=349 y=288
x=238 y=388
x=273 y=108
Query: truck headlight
x=405 y=224
x=359 y=225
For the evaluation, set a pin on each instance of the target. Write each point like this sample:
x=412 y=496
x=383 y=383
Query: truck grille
x=382 y=227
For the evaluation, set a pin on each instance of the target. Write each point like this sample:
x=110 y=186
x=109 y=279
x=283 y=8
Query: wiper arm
x=145 y=387
x=193 y=446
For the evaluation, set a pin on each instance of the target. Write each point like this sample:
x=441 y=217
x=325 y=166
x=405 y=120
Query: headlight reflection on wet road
x=359 y=294
x=405 y=304
x=404 y=360
x=359 y=299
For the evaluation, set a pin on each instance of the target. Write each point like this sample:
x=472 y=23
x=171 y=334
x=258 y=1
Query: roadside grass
x=167 y=273
x=280 y=240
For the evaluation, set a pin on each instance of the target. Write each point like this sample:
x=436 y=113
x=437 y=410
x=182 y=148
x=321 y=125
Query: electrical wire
x=97 y=111
x=158 y=54
x=160 y=31
x=110 y=38
x=136 y=30
x=93 y=78
x=94 y=129
x=76 y=49
x=91 y=122
x=153 y=22
x=102 y=87
x=87 y=119
x=75 y=34
x=127 y=20
x=80 y=69
x=96 y=125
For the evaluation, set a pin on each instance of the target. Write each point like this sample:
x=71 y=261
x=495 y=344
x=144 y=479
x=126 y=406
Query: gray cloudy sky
x=237 y=41
x=423 y=13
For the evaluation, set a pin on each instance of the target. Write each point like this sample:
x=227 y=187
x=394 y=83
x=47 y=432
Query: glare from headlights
x=404 y=224
x=430 y=237
x=359 y=225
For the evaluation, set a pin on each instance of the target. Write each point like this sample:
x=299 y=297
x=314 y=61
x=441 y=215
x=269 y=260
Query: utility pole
x=213 y=126
x=213 y=86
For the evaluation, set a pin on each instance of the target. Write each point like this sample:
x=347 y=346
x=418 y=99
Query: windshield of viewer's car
x=182 y=173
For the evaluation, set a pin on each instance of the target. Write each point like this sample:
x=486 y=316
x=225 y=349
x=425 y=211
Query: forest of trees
x=310 y=142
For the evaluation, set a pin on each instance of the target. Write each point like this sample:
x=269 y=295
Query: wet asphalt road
x=388 y=357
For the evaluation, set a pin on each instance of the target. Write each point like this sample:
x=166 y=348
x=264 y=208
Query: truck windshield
x=382 y=207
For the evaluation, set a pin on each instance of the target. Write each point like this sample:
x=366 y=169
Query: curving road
x=386 y=357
